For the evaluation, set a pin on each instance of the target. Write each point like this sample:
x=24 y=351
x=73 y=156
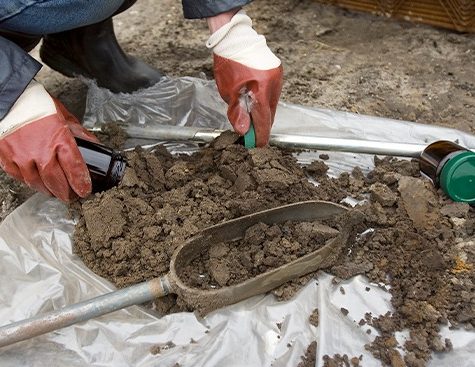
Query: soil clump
x=309 y=359
x=263 y=248
x=341 y=361
x=313 y=319
x=112 y=135
x=412 y=238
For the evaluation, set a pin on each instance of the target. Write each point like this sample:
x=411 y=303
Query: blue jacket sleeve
x=194 y=9
x=17 y=68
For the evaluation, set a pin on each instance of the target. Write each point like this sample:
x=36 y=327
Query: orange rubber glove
x=37 y=145
x=248 y=76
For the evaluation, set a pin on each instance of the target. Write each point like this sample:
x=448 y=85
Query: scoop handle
x=98 y=306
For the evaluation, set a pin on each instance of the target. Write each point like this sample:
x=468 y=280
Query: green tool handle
x=250 y=137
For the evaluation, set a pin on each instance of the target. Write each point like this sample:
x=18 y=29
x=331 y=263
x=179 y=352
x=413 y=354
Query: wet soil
x=263 y=248
x=128 y=234
x=410 y=236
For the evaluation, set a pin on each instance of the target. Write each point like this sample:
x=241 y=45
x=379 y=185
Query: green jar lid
x=457 y=177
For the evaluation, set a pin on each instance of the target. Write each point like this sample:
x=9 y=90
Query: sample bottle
x=106 y=166
x=451 y=167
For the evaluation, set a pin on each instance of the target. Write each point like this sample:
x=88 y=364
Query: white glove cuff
x=238 y=41
x=33 y=104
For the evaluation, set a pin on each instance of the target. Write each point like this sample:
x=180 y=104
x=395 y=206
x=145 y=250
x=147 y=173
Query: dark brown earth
x=165 y=199
x=263 y=248
x=420 y=243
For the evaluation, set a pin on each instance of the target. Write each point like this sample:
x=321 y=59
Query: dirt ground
x=332 y=58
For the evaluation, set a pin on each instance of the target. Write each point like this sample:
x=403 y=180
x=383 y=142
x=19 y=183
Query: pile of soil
x=263 y=248
x=420 y=243
x=128 y=234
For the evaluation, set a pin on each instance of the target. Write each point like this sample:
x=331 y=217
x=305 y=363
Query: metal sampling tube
x=197 y=134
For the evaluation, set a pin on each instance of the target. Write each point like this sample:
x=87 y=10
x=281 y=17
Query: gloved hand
x=245 y=68
x=37 y=145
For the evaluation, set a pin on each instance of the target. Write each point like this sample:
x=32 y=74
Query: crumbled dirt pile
x=263 y=248
x=413 y=239
x=422 y=246
x=128 y=234
x=341 y=361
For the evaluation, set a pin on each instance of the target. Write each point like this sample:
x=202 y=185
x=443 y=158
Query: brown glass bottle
x=452 y=168
x=106 y=166
x=435 y=156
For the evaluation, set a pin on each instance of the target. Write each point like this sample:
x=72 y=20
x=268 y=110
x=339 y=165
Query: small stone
x=344 y=311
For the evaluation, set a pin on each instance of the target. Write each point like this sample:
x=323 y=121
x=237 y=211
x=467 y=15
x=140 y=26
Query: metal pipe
x=197 y=134
x=347 y=145
x=42 y=324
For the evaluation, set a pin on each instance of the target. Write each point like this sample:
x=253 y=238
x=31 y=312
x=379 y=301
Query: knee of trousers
x=54 y=16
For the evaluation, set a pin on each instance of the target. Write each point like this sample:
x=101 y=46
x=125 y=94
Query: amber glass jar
x=106 y=166
x=451 y=167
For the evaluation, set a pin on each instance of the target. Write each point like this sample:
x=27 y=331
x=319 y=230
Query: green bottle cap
x=250 y=137
x=457 y=177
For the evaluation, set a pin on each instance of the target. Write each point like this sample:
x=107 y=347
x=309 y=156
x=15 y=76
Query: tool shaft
x=168 y=132
x=42 y=324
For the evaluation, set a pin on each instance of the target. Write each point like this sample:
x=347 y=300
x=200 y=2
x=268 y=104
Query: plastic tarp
x=38 y=271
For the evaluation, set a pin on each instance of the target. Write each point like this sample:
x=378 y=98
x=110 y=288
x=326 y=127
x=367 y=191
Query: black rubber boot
x=25 y=41
x=93 y=51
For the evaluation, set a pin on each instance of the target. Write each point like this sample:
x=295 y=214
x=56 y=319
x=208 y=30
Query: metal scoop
x=203 y=300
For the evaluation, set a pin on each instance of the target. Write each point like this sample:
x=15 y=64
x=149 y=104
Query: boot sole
x=60 y=63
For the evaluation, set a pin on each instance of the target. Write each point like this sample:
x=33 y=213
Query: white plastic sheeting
x=38 y=272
